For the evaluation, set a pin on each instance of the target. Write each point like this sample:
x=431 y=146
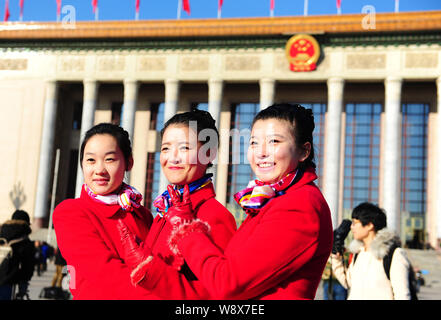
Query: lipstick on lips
x=101 y=182
x=265 y=166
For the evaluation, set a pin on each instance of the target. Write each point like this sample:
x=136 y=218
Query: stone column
x=46 y=154
x=438 y=217
x=87 y=121
x=129 y=106
x=171 y=108
x=128 y=111
x=331 y=168
x=392 y=153
x=215 y=92
x=267 y=89
x=171 y=98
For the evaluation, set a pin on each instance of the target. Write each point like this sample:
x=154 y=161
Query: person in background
x=38 y=257
x=16 y=231
x=365 y=277
x=332 y=288
x=59 y=265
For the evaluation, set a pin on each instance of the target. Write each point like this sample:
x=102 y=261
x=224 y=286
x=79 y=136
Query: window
x=116 y=112
x=414 y=158
x=77 y=116
x=153 y=166
x=240 y=173
x=362 y=154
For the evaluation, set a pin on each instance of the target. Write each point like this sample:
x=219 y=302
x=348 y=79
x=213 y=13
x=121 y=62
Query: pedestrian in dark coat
x=22 y=267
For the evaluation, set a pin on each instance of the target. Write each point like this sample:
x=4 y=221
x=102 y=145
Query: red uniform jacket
x=90 y=242
x=279 y=253
x=222 y=228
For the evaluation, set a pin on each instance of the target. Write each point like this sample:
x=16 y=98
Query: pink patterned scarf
x=257 y=194
x=127 y=197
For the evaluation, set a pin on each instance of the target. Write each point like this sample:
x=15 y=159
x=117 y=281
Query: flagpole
x=96 y=13
x=179 y=9
x=305 y=8
x=137 y=15
x=397 y=5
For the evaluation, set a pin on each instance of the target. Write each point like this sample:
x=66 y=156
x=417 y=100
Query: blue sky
x=45 y=10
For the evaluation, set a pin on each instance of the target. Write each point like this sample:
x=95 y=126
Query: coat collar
x=383 y=241
x=201 y=195
x=308 y=176
x=104 y=210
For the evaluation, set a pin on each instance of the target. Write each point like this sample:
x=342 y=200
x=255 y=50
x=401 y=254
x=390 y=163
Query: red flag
x=186 y=5
x=219 y=6
x=272 y=5
x=21 y=7
x=137 y=6
x=338 y=4
x=7 y=14
x=58 y=7
x=95 y=5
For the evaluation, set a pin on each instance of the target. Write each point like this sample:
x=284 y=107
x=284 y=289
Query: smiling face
x=179 y=155
x=273 y=152
x=104 y=164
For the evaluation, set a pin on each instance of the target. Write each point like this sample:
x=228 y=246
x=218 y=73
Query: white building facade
x=375 y=94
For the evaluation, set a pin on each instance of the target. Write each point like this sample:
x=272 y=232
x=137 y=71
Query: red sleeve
x=280 y=244
x=221 y=221
x=166 y=282
x=101 y=273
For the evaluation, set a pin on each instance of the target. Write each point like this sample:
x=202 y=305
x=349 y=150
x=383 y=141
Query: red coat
x=279 y=253
x=223 y=227
x=90 y=242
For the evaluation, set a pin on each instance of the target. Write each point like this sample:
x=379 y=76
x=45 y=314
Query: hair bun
x=205 y=115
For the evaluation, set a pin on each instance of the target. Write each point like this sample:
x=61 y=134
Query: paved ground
x=424 y=259
x=39 y=282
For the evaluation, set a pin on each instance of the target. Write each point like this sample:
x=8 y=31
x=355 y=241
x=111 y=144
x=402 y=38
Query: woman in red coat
x=86 y=227
x=281 y=249
x=184 y=160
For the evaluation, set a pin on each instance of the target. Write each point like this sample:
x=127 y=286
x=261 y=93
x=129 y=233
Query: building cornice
x=233 y=27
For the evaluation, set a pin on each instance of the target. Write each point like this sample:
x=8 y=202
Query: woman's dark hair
x=368 y=212
x=203 y=119
x=302 y=121
x=121 y=136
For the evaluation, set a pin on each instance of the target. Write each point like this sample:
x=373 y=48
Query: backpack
x=387 y=260
x=6 y=258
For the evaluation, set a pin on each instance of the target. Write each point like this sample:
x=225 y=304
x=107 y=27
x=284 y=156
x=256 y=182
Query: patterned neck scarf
x=163 y=201
x=257 y=194
x=127 y=197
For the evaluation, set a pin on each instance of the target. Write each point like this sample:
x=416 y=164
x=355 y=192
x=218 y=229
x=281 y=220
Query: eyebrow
x=271 y=135
x=92 y=153
x=182 y=142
